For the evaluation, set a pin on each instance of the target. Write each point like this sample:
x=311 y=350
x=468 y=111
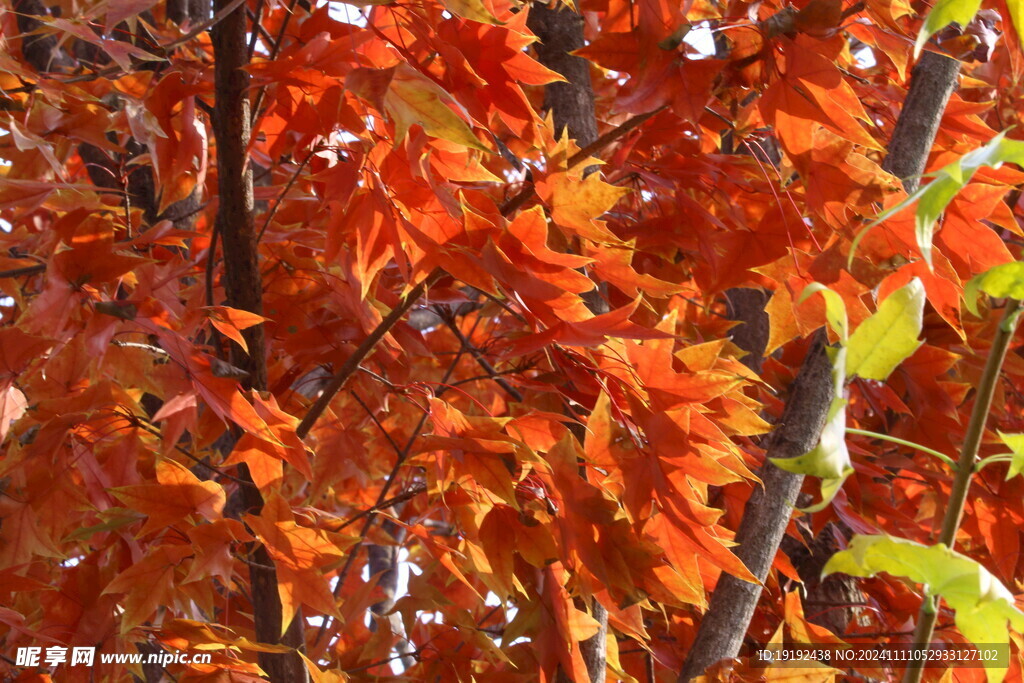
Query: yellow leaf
x=472 y=9
x=575 y=203
x=414 y=99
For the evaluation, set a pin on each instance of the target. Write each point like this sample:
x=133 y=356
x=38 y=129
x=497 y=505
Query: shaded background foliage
x=568 y=428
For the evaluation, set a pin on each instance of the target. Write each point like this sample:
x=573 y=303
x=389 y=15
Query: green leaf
x=1016 y=8
x=982 y=604
x=1015 y=442
x=932 y=202
x=888 y=337
x=1006 y=280
x=934 y=197
x=942 y=14
x=830 y=459
x=835 y=308
x=113 y=518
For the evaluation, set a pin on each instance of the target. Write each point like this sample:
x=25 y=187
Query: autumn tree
x=466 y=339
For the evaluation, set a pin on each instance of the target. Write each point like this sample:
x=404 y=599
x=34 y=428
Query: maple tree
x=300 y=300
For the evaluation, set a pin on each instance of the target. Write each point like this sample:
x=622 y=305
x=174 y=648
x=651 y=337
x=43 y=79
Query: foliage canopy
x=516 y=360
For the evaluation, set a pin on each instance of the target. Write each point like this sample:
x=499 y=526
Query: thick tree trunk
x=932 y=82
x=766 y=515
x=560 y=31
x=747 y=306
x=245 y=291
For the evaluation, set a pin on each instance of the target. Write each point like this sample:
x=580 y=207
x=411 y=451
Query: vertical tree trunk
x=931 y=84
x=732 y=605
x=560 y=31
x=766 y=515
x=245 y=291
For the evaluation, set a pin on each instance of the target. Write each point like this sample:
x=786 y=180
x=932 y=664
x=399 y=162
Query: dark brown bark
x=832 y=602
x=560 y=31
x=747 y=306
x=245 y=291
x=931 y=84
x=809 y=553
x=766 y=514
x=41 y=50
x=234 y=222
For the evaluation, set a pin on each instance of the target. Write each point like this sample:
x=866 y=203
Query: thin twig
x=156 y=350
x=380 y=662
x=373 y=416
x=382 y=496
x=139 y=421
x=204 y=26
x=362 y=351
x=191 y=213
x=253 y=563
x=26 y=270
x=508 y=309
x=275 y=48
x=211 y=262
x=411 y=492
x=516 y=395
x=579 y=157
x=281 y=196
x=257 y=17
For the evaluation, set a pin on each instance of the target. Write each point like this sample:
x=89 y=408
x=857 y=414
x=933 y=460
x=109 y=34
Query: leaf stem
x=993 y=460
x=903 y=442
x=964 y=471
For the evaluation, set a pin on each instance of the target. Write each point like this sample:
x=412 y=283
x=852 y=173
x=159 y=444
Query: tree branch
x=766 y=514
x=514 y=393
x=382 y=496
x=244 y=288
x=20 y=272
x=362 y=351
x=524 y=195
x=932 y=82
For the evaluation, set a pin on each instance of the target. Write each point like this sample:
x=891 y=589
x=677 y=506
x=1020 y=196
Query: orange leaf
x=298 y=553
x=573 y=625
x=576 y=203
x=148 y=584
x=177 y=494
x=230 y=322
x=12 y=407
